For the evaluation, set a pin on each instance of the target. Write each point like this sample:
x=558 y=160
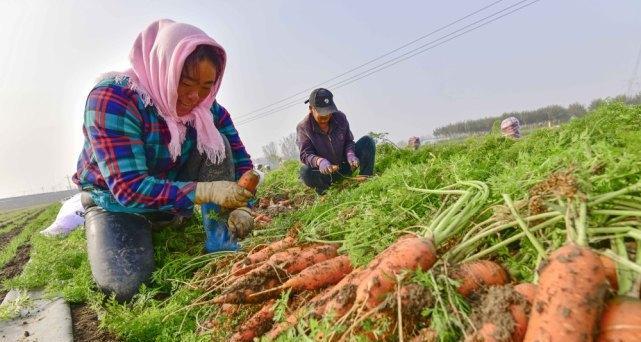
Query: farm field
x=446 y=243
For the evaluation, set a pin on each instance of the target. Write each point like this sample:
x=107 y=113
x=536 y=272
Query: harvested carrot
x=501 y=315
x=328 y=272
x=274 y=272
x=610 y=268
x=257 y=325
x=249 y=180
x=229 y=309
x=485 y=334
x=246 y=295
x=308 y=257
x=409 y=253
x=476 y=274
x=569 y=300
x=335 y=299
x=325 y=273
x=261 y=255
x=520 y=317
x=621 y=320
x=527 y=290
x=332 y=296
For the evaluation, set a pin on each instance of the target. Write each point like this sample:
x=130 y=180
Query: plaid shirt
x=125 y=161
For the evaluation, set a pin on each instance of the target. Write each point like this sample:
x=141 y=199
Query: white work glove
x=224 y=193
x=240 y=222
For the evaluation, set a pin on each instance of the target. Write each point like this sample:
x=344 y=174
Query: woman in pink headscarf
x=156 y=144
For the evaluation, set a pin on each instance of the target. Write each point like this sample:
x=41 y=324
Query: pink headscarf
x=157 y=59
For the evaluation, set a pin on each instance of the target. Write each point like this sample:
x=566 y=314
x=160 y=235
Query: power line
x=421 y=49
x=367 y=72
x=372 y=60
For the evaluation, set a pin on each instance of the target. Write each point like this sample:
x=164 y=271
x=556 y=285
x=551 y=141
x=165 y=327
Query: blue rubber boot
x=216 y=232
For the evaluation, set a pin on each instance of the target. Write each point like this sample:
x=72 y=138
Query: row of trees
x=551 y=114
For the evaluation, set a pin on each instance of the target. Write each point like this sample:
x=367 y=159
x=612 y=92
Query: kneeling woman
x=156 y=144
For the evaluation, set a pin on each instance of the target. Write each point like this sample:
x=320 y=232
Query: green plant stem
x=608 y=196
x=466 y=245
x=581 y=225
x=437 y=192
x=622 y=261
x=625 y=213
x=537 y=245
x=512 y=239
x=609 y=230
x=625 y=278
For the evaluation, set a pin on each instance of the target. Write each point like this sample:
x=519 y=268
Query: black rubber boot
x=120 y=249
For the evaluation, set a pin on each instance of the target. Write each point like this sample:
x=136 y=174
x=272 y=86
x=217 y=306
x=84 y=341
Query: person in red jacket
x=327 y=147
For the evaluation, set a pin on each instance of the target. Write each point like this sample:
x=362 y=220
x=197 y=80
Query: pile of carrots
x=568 y=303
x=339 y=289
x=573 y=298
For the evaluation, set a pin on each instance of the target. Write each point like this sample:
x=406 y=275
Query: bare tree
x=288 y=147
x=270 y=151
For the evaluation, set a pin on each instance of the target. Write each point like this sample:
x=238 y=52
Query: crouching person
x=327 y=147
x=156 y=144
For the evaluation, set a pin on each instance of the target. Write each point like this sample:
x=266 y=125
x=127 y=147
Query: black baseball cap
x=323 y=101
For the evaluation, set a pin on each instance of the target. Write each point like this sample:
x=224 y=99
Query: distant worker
x=156 y=144
x=327 y=147
x=414 y=143
x=510 y=127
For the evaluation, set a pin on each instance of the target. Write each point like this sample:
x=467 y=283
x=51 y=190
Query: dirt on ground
x=85 y=325
x=14 y=266
x=6 y=238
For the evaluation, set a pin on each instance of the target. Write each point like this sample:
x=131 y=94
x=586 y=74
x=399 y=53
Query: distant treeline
x=551 y=114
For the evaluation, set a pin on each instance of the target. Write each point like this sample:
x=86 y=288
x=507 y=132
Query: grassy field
x=600 y=151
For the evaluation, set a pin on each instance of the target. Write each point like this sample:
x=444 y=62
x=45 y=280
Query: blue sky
x=553 y=52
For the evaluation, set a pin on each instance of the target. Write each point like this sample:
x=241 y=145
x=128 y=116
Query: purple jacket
x=314 y=144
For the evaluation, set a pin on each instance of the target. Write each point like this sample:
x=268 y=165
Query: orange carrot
x=229 y=309
x=409 y=253
x=328 y=272
x=527 y=290
x=273 y=272
x=257 y=325
x=246 y=295
x=249 y=180
x=485 y=334
x=568 y=302
x=325 y=273
x=520 y=317
x=610 y=268
x=476 y=274
x=296 y=259
x=334 y=299
x=261 y=255
x=621 y=320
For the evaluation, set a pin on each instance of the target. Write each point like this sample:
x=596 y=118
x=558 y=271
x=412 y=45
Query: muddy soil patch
x=14 y=266
x=86 y=325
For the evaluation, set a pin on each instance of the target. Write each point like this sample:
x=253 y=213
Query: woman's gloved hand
x=224 y=193
x=325 y=167
x=352 y=160
x=240 y=222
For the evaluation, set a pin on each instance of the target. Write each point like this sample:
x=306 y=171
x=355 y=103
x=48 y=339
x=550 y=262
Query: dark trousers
x=119 y=245
x=365 y=150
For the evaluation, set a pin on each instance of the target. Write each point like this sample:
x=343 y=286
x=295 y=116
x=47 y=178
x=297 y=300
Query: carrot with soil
x=249 y=180
x=325 y=273
x=257 y=325
x=477 y=274
x=571 y=288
